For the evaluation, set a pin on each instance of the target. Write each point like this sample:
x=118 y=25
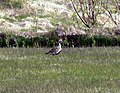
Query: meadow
x=74 y=70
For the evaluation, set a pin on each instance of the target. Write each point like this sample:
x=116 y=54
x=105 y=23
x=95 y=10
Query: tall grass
x=75 y=70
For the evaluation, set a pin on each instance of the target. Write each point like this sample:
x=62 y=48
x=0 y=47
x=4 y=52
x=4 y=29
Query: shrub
x=51 y=40
x=118 y=40
x=20 y=41
x=3 y=40
x=100 y=40
x=43 y=42
x=36 y=41
x=88 y=41
x=28 y=42
x=114 y=41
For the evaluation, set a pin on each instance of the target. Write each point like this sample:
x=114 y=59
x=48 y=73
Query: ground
x=74 y=70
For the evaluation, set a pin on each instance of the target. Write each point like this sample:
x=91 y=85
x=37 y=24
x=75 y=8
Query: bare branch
x=110 y=16
x=79 y=15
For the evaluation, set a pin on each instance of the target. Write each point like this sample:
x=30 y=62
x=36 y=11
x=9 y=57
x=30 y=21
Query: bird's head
x=60 y=41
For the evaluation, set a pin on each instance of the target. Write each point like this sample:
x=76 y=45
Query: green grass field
x=75 y=70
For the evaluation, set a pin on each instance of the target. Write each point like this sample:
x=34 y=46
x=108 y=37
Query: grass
x=75 y=70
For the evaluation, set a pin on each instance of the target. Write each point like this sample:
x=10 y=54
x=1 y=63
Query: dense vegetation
x=12 y=3
x=51 y=39
x=84 y=70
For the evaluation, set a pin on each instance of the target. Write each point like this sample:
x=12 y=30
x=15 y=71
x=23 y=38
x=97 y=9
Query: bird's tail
x=47 y=53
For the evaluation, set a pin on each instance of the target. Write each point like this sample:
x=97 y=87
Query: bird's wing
x=52 y=50
x=57 y=50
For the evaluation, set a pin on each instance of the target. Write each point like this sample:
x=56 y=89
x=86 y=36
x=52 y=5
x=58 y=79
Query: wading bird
x=57 y=49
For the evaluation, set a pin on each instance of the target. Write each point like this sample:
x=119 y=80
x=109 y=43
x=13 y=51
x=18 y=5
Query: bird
x=56 y=49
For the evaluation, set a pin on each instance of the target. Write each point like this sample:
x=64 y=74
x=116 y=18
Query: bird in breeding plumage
x=57 y=49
